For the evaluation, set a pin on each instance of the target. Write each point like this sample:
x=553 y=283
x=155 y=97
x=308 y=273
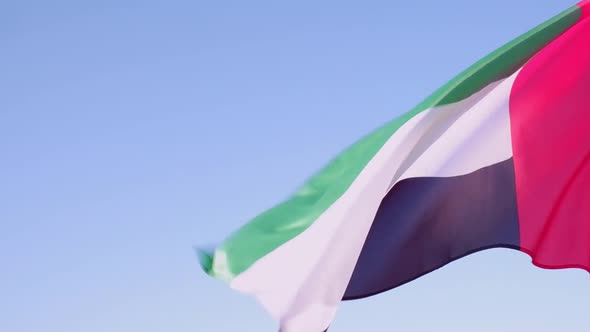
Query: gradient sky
x=131 y=131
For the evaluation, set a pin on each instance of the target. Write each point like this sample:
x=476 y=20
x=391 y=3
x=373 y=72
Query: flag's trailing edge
x=497 y=157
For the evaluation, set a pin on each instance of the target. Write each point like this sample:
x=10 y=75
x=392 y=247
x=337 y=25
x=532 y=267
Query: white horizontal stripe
x=302 y=282
x=277 y=279
x=479 y=137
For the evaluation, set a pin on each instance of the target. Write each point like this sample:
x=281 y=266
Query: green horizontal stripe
x=288 y=219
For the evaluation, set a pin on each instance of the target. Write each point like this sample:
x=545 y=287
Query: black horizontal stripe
x=425 y=223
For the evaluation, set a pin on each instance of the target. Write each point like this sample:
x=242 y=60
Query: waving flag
x=497 y=157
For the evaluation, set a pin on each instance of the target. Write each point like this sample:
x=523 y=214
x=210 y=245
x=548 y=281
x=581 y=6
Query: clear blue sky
x=131 y=131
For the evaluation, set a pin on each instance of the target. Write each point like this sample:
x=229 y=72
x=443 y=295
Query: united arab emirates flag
x=497 y=157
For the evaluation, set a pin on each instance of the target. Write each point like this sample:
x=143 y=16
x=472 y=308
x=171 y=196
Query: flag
x=497 y=157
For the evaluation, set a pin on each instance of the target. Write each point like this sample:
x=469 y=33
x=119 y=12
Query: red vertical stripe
x=585 y=5
x=550 y=116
